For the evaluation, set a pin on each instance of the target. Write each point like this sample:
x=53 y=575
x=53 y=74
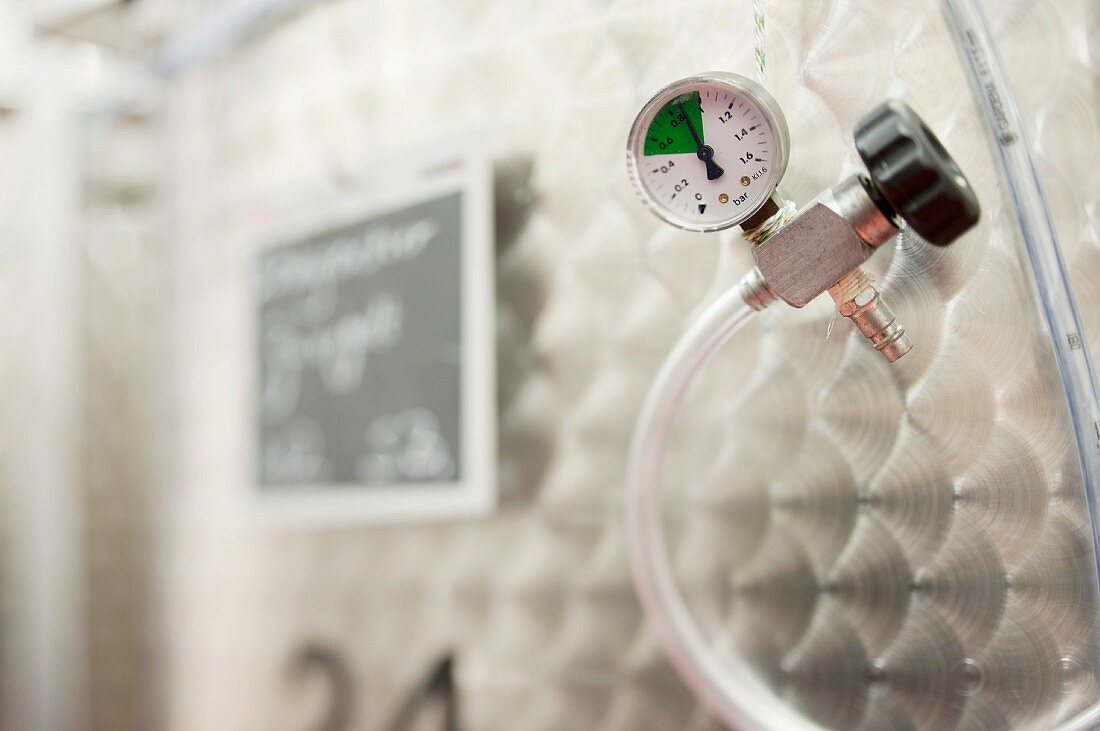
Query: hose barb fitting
x=859 y=300
x=755 y=291
x=910 y=178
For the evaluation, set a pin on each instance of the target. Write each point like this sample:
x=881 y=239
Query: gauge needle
x=705 y=152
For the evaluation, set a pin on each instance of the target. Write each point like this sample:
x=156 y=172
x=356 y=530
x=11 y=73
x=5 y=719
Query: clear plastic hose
x=724 y=686
x=721 y=686
x=1058 y=309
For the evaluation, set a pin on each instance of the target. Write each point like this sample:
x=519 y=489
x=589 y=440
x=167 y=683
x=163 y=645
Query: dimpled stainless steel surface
x=888 y=546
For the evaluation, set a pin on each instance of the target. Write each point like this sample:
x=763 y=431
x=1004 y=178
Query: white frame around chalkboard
x=399 y=181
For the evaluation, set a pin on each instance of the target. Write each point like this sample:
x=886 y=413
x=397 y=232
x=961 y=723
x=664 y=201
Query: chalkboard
x=373 y=346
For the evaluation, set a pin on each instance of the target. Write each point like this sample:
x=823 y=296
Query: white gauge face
x=708 y=151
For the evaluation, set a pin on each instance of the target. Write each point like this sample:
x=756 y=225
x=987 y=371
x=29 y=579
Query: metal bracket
x=822 y=250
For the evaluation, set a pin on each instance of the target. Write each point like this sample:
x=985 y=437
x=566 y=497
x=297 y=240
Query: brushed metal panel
x=845 y=528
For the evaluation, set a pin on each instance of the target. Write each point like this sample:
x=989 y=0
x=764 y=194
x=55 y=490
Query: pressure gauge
x=708 y=151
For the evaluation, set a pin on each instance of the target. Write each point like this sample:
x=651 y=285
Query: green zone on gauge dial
x=668 y=134
x=707 y=152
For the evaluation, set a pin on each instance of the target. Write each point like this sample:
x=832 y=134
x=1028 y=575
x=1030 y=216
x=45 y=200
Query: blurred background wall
x=147 y=145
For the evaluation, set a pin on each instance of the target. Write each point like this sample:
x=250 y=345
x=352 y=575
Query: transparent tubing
x=1058 y=309
x=720 y=686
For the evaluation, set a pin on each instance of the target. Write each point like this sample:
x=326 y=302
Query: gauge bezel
x=773 y=116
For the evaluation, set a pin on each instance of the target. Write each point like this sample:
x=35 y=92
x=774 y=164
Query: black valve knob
x=914 y=177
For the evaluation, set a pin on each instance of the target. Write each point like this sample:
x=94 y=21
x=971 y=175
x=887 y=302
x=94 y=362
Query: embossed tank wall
x=802 y=464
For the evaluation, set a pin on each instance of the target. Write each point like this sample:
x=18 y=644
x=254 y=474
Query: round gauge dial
x=708 y=151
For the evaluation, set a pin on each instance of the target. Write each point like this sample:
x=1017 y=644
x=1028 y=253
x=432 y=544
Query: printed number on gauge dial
x=709 y=156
